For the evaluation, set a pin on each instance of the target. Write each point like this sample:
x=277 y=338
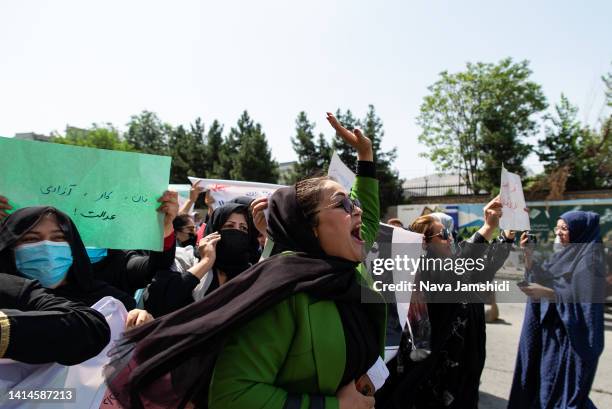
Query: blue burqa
x=561 y=341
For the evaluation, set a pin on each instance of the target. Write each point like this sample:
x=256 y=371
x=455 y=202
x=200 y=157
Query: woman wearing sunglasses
x=291 y=331
x=449 y=377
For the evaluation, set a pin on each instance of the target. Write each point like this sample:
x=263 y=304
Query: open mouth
x=356 y=234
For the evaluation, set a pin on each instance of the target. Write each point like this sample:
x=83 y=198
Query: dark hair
x=181 y=221
x=308 y=195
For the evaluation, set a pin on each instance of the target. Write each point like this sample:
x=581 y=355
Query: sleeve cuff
x=366 y=168
x=169 y=242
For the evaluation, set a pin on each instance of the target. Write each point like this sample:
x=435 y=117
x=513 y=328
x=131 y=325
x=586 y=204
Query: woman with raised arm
x=290 y=332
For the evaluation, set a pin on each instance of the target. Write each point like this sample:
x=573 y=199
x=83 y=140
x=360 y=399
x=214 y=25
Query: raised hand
x=361 y=143
x=195 y=191
x=259 y=218
x=169 y=207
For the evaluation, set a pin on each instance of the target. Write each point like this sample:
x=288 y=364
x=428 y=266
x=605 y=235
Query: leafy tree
x=568 y=144
x=104 y=136
x=391 y=189
x=214 y=146
x=231 y=145
x=345 y=151
x=607 y=79
x=245 y=154
x=372 y=127
x=313 y=153
x=475 y=120
x=188 y=151
x=148 y=134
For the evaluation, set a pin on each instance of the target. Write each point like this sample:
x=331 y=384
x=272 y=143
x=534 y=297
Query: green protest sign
x=111 y=196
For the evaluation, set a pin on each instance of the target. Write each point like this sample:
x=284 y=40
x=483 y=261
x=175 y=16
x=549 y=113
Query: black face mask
x=233 y=251
x=191 y=241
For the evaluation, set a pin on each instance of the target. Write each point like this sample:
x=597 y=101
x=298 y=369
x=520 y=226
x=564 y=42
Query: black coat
x=81 y=284
x=130 y=270
x=45 y=328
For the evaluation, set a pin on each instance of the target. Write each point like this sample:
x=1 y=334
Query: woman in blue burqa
x=563 y=331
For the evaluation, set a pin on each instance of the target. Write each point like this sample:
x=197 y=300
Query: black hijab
x=220 y=215
x=233 y=257
x=169 y=361
x=253 y=232
x=81 y=285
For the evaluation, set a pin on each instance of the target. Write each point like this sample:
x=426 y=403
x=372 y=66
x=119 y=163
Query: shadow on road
x=499 y=321
x=488 y=401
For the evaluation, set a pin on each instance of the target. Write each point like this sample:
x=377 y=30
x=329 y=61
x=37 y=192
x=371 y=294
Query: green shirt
x=297 y=346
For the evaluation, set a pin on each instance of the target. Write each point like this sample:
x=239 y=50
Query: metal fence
x=436 y=190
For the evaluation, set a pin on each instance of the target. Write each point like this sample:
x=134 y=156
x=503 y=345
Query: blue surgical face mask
x=96 y=254
x=45 y=261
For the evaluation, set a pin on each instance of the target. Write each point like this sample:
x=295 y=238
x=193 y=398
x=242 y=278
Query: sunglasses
x=444 y=233
x=346 y=203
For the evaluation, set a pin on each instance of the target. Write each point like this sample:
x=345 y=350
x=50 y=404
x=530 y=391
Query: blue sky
x=75 y=62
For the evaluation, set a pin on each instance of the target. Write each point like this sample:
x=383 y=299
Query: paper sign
x=515 y=215
x=222 y=191
x=341 y=173
x=111 y=196
x=85 y=379
x=390 y=243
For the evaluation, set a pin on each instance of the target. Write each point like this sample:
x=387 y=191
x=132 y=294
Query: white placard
x=378 y=373
x=222 y=191
x=85 y=377
x=341 y=173
x=515 y=213
x=401 y=238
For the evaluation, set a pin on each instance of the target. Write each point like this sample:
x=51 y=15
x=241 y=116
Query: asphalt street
x=502 y=344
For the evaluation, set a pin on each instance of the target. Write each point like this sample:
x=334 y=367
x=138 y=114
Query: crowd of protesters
x=218 y=323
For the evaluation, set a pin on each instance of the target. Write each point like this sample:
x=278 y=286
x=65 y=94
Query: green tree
x=245 y=154
x=148 y=134
x=567 y=143
x=313 y=153
x=607 y=79
x=475 y=120
x=188 y=151
x=371 y=125
x=199 y=165
x=231 y=145
x=214 y=146
x=345 y=151
x=104 y=136
x=390 y=184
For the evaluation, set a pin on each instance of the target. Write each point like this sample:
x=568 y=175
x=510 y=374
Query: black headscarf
x=220 y=215
x=232 y=261
x=253 y=232
x=81 y=285
x=171 y=359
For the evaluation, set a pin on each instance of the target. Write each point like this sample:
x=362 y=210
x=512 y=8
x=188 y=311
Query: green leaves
x=475 y=120
x=98 y=136
x=314 y=154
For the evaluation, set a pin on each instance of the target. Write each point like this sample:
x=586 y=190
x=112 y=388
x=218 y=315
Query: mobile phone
x=522 y=283
x=531 y=238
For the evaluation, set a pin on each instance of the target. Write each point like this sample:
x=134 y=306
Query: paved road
x=502 y=344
